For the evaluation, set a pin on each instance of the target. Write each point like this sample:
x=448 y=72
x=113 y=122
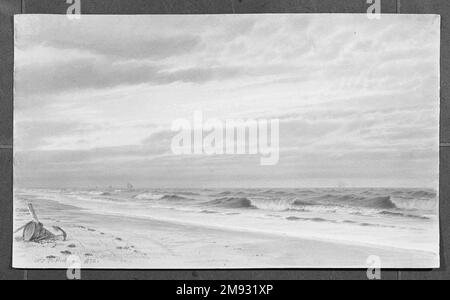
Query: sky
x=357 y=99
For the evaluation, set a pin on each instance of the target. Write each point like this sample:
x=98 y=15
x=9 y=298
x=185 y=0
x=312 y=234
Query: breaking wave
x=162 y=197
x=382 y=202
x=232 y=202
x=99 y=193
x=156 y=196
x=173 y=198
x=417 y=194
x=148 y=196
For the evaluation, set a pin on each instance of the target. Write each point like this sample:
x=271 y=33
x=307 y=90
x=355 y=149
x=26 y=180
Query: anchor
x=34 y=231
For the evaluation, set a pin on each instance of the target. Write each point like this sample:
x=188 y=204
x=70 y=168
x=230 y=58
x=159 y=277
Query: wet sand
x=112 y=241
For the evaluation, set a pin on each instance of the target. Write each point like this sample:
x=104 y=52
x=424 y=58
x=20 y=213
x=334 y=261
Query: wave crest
x=232 y=202
x=382 y=202
x=173 y=198
x=148 y=196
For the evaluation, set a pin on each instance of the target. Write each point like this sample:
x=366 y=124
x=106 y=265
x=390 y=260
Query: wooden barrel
x=31 y=231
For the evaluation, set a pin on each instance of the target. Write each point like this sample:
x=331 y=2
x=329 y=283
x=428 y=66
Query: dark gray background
x=10 y=7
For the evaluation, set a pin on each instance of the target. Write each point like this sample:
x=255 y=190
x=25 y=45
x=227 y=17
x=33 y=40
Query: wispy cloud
x=357 y=98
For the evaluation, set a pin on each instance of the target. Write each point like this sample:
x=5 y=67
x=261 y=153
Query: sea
x=404 y=218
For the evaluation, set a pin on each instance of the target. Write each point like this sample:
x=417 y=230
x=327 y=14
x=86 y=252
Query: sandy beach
x=216 y=141
x=113 y=241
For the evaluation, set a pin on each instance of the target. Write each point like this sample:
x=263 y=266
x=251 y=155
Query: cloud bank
x=358 y=99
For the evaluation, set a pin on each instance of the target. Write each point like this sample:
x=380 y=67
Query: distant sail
x=130 y=186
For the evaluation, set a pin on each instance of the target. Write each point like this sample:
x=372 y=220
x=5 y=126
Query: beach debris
x=34 y=231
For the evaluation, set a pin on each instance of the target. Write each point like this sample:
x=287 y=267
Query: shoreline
x=99 y=241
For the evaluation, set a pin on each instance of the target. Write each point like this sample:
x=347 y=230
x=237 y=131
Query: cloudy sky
x=357 y=99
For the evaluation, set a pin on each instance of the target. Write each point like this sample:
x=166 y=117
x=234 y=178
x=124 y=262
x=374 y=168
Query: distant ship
x=130 y=187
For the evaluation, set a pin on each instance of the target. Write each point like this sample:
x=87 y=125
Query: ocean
x=401 y=218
